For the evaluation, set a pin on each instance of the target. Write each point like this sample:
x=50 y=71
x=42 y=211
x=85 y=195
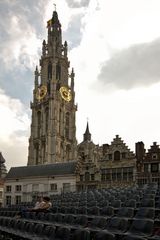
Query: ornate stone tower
x=53 y=130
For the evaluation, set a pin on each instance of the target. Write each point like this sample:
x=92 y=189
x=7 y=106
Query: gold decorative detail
x=41 y=92
x=49 y=23
x=66 y=93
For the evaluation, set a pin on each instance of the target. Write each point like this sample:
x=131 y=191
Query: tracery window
x=49 y=70
x=67 y=125
x=38 y=123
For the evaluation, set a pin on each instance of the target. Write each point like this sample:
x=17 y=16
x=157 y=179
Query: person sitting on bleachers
x=37 y=204
x=43 y=205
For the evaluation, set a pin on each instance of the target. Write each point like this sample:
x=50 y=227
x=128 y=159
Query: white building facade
x=23 y=184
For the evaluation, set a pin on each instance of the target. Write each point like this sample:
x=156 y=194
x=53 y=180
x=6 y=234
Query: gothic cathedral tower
x=53 y=129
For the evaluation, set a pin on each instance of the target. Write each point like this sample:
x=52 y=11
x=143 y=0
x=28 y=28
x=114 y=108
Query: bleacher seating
x=112 y=214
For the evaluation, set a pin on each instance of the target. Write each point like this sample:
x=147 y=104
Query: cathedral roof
x=42 y=170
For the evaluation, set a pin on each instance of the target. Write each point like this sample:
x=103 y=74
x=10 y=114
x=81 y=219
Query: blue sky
x=114 y=47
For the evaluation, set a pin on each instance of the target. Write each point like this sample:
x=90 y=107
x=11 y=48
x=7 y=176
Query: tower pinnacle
x=54 y=6
x=87 y=135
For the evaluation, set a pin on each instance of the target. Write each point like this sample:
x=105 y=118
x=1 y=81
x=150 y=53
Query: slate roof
x=42 y=170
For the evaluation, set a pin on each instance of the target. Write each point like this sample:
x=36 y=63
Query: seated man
x=43 y=205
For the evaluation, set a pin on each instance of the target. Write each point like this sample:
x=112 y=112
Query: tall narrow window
x=43 y=152
x=46 y=119
x=8 y=200
x=58 y=71
x=49 y=70
x=60 y=117
x=37 y=153
x=68 y=149
x=67 y=126
x=38 y=123
x=18 y=199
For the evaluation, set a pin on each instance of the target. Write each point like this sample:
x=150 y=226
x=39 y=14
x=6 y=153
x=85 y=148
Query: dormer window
x=154 y=156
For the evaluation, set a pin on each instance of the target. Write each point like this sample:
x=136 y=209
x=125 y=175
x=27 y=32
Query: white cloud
x=14 y=130
x=135 y=66
x=21 y=49
x=106 y=26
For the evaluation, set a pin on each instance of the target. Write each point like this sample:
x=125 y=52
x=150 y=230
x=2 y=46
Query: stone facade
x=118 y=164
x=26 y=189
x=148 y=164
x=53 y=130
x=23 y=184
x=114 y=164
x=88 y=153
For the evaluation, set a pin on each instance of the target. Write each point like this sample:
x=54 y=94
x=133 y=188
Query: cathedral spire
x=87 y=135
x=54 y=45
x=53 y=127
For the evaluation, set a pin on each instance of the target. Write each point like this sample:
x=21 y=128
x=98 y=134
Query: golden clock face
x=41 y=92
x=66 y=94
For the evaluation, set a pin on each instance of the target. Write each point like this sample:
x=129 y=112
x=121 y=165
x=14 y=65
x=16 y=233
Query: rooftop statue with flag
x=54 y=18
x=49 y=23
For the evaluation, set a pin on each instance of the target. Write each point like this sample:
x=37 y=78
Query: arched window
x=46 y=119
x=116 y=155
x=68 y=149
x=37 y=154
x=38 y=123
x=58 y=71
x=67 y=125
x=49 y=70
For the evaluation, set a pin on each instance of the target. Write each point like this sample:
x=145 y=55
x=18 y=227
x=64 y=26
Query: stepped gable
x=42 y=170
x=118 y=145
x=153 y=154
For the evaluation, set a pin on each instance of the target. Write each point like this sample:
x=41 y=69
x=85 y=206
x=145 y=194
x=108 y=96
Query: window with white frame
x=66 y=187
x=53 y=186
x=18 y=188
x=24 y=188
x=35 y=187
x=18 y=199
x=8 y=188
x=8 y=200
